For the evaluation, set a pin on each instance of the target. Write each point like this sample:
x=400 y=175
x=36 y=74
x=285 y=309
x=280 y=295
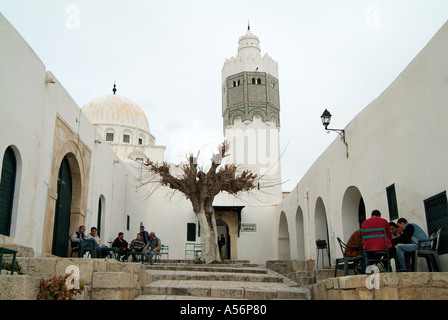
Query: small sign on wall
x=249 y=227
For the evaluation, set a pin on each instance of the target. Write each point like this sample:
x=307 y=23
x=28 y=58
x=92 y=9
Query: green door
x=7 y=185
x=436 y=209
x=62 y=211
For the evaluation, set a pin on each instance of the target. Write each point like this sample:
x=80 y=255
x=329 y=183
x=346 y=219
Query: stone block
x=385 y=293
x=431 y=293
x=352 y=282
x=350 y=294
x=113 y=294
x=365 y=294
x=414 y=279
x=111 y=280
x=439 y=279
x=41 y=267
x=19 y=287
x=390 y=279
x=86 y=268
x=333 y=294
x=410 y=293
x=253 y=294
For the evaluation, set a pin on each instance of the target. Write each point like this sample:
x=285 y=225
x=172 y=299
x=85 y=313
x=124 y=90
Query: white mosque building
x=63 y=166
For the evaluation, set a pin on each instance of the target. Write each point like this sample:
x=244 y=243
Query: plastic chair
x=375 y=257
x=193 y=249
x=163 y=251
x=76 y=247
x=428 y=252
x=347 y=263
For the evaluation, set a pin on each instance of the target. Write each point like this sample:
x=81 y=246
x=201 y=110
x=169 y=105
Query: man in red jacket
x=378 y=244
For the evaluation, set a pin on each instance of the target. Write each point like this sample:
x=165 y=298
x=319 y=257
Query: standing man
x=378 y=244
x=152 y=248
x=144 y=234
x=411 y=233
x=221 y=242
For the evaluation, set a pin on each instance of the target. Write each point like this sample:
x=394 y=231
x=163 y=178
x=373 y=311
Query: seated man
x=121 y=244
x=152 y=248
x=355 y=240
x=136 y=245
x=94 y=235
x=411 y=233
x=80 y=237
x=378 y=244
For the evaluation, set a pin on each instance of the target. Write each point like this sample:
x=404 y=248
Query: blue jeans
x=149 y=254
x=91 y=242
x=400 y=256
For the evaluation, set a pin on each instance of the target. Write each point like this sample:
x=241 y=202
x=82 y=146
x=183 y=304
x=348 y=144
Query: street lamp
x=326 y=118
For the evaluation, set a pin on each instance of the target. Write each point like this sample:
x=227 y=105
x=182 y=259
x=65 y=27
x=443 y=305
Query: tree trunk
x=209 y=236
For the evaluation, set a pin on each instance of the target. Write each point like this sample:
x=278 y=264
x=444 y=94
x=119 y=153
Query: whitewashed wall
x=399 y=138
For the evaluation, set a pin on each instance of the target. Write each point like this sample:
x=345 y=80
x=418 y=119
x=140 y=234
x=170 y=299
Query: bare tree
x=201 y=187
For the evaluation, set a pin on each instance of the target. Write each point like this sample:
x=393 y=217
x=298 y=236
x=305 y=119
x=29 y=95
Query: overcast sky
x=167 y=57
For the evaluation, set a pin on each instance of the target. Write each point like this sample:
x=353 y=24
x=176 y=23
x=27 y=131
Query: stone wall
x=104 y=279
x=392 y=286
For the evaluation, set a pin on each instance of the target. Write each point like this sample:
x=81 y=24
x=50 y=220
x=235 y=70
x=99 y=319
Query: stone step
x=183 y=261
x=208 y=268
x=225 y=289
x=154 y=275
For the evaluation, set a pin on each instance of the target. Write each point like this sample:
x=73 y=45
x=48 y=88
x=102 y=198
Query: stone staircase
x=302 y=272
x=237 y=280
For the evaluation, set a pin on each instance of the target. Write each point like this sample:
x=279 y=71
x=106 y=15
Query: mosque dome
x=116 y=110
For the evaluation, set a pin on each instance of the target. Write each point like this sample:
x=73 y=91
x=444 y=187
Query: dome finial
x=114 y=89
x=248 y=25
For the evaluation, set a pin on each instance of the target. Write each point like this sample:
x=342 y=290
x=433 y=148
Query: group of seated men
x=401 y=237
x=146 y=243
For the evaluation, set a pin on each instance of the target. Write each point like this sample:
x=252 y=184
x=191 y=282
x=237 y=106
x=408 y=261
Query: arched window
x=253 y=80
x=258 y=81
x=7 y=187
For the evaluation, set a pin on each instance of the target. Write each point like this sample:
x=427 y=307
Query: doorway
x=7 y=187
x=62 y=210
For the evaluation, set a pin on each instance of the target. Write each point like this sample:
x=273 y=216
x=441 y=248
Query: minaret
x=251 y=112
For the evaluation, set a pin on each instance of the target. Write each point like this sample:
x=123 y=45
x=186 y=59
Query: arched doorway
x=7 y=188
x=321 y=229
x=62 y=210
x=353 y=211
x=300 y=235
x=284 y=250
x=228 y=220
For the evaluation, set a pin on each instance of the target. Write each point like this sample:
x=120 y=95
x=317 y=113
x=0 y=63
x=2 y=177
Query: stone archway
x=321 y=232
x=353 y=210
x=284 y=249
x=67 y=145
